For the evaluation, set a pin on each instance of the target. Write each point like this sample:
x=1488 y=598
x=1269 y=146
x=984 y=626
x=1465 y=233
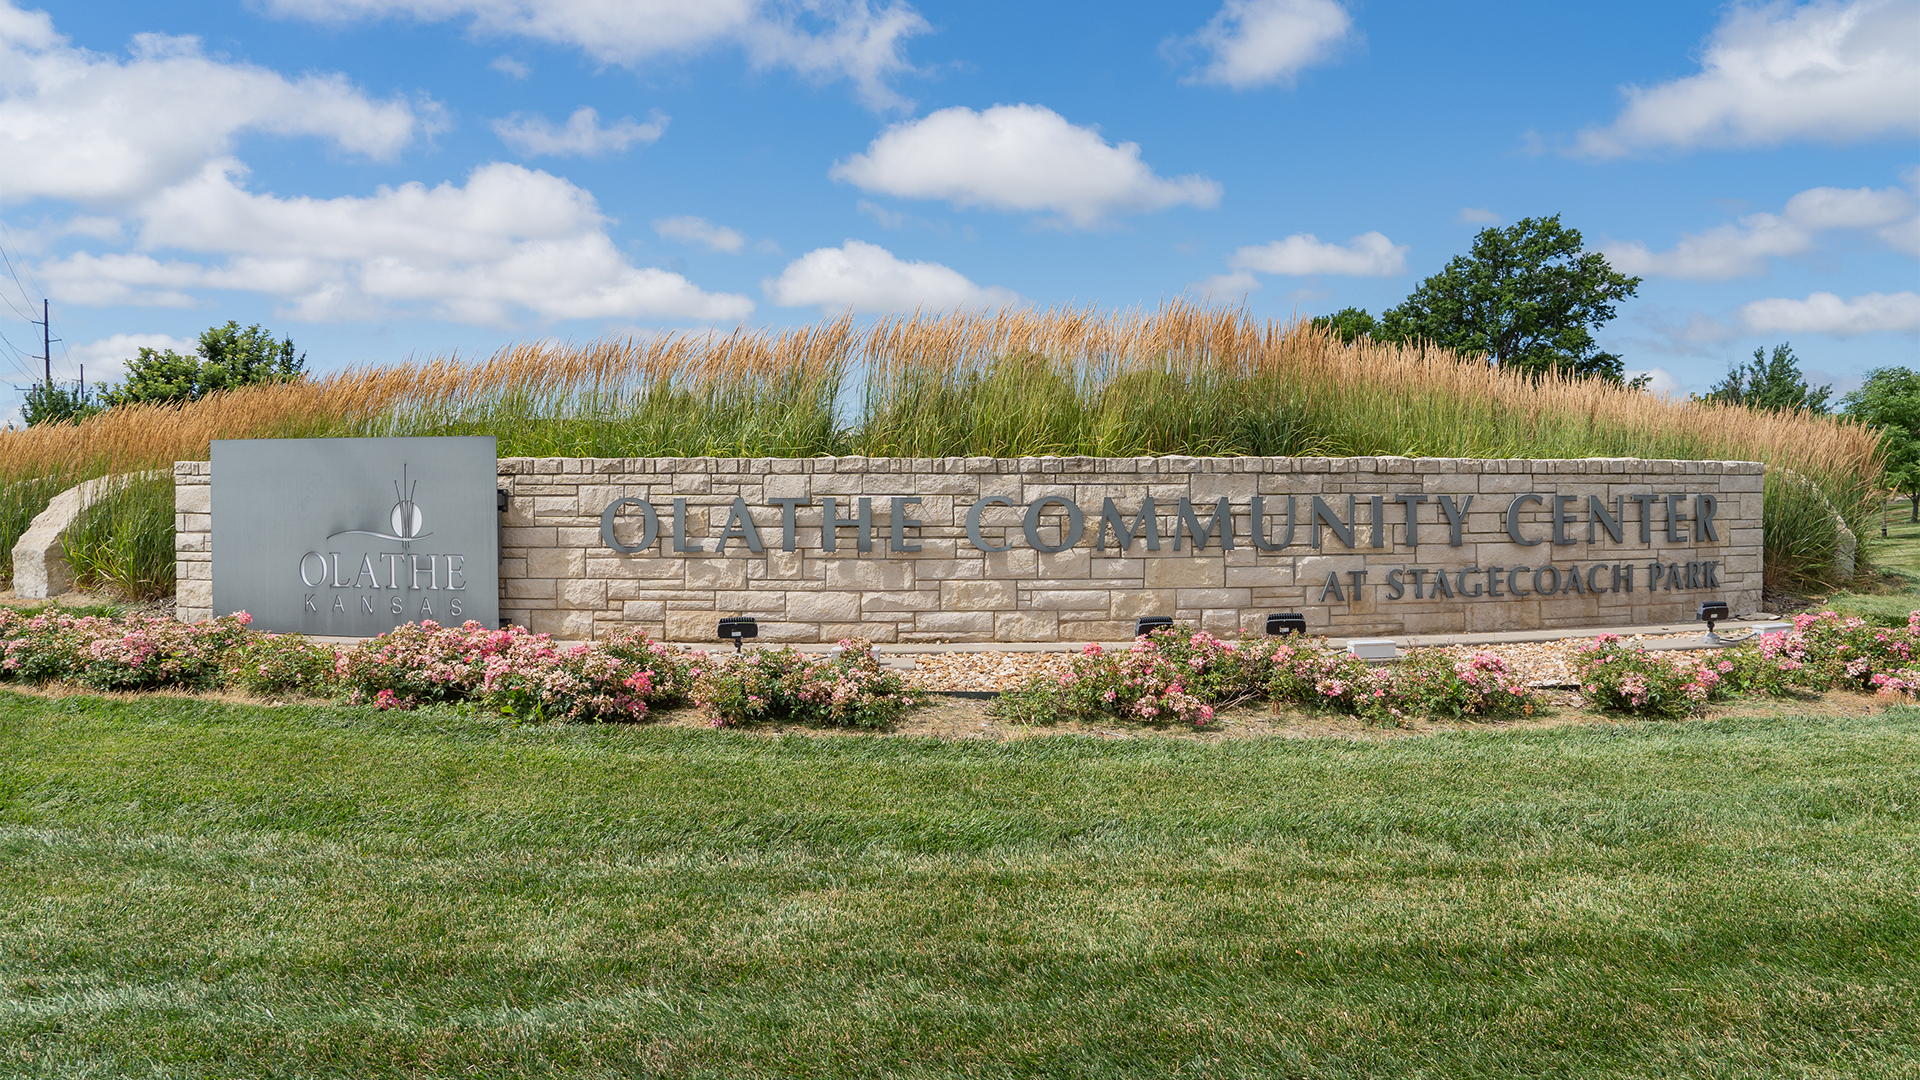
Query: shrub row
x=509 y=671
x=1175 y=675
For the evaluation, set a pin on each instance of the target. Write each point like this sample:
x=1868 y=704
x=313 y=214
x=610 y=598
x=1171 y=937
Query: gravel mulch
x=1540 y=663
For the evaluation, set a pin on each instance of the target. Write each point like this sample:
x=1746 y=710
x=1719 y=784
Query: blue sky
x=384 y=178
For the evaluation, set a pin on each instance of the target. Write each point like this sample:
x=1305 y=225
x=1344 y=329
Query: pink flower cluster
x=512 y=670
x=846 y=688
x=140 y=653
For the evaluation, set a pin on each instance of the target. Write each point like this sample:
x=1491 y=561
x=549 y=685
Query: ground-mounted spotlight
x=738 y=629
x=1286 y=622
x=1713 y=611
x=1147 y=624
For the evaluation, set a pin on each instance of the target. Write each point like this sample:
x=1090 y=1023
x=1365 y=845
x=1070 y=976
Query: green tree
x=1773 y=383
x=1890 y=400
x=1348 y=324
x=227 y=357
x=1527 y=297
x=53 y=403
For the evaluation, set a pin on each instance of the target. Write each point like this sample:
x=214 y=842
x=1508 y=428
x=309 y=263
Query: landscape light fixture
x=738 y=630
x=1712 y=611
x=1147 y=624
x=1286 y=622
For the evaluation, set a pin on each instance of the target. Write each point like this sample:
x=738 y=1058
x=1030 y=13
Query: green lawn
x=196 y=889
x=1896 y=558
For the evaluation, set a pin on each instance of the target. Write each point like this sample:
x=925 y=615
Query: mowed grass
x=191 y=888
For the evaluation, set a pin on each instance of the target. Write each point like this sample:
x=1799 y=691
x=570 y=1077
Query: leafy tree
x=227 y=357
x=1527 y=297
x=1773 y=383
x=52 y=403
x=1348 y=324
x=1890 y=401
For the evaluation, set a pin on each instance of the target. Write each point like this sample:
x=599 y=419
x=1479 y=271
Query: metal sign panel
x=352 y=537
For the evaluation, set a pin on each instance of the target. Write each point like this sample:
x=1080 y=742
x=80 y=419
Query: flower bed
x=1172 y=676
x=510 y=671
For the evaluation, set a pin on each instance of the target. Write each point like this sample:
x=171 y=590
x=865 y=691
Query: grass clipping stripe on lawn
x=189 y=888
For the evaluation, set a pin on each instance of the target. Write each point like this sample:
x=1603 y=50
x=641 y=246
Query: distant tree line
x=225 y=357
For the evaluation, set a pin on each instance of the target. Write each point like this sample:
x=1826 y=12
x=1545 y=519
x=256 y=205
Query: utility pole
x=46 y=340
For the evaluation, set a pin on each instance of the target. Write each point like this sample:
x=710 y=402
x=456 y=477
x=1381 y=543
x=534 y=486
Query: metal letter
x=1440 y=586
x=1592 y=585
x=1322 y=512
x=900 y=522
x=1513 y=520
x=680 y=528
x=1070 y=535
x=1646 y=515
x=1493 y=582
x=1378 y=525
x=333 y=557
x=649 y=528
x=1333 y=586
x=1705 y=505
x=313 y=583
x=1546 y=590
x=1393 y=582
x=1456 y=519
x=786 y=519
x=1413 y=515
x=366 y=571
x=1188 y=526
x=1260 y=535
x=1513 y=586
x=1110 y=516
x=453 y=569
x=1419 y=581
x=973 y=522
x=1560 y=504
x=831 y=521
x=1597 y=514
x=740 y=525
x=1676 y=534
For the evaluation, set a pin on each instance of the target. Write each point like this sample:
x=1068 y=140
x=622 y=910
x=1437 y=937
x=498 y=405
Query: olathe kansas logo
x=376 y=582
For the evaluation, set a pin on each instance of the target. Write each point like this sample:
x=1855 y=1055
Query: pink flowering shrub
x=514 y=671
x=271 y=664
x=1149 y=684
x=1478 y=687
x=1628 y=678
x=116 y=654
x=1304 y=674
x=850 y=689
x=151 y=653
x=49 y=645
x=1827 y=649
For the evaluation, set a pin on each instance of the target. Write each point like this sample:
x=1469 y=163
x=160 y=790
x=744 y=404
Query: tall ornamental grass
x=125 y=540
x=1182 y=379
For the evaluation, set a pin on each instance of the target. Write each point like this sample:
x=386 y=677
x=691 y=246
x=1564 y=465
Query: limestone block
x=555 y=562
x=39 y=568
x=563 y=625
x=976 y=595
x=1026 y=626
x=862 y=574
x=823 y=606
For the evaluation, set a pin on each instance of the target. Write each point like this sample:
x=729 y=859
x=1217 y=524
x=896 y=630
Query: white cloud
x=1826 y=313
x=511 y=68
x=1018 y=157
x=1261 y=42
x=1743 y=249
x=86 y=127
x=888 y=219
x=852 y=39
x=105 y=360
x=1370 y=254
x=511 y=240
x=1662 y=383
x=1828 y=71
x=869 y=278
x=1470 y=215
x=698 y=230
x=533 y=135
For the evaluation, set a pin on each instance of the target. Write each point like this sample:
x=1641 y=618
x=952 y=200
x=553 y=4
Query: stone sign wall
x=1075 y=549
